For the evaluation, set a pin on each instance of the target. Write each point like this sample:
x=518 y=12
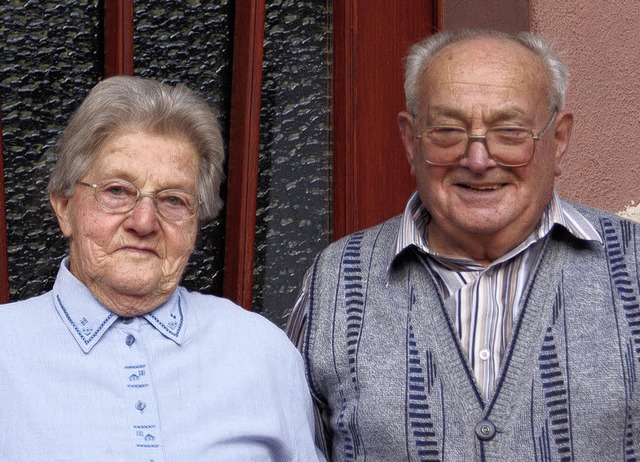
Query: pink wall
x=601 y=45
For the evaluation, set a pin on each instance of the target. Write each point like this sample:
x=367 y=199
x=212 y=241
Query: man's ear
x=60 y=205
x=407 y=134
x=562 y=136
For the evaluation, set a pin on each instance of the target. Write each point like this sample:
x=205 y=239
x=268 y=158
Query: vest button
x=485 y=430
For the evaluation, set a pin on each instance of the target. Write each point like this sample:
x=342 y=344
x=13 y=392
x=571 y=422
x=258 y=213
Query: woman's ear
x=60 y=205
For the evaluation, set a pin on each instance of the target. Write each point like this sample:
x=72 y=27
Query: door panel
x=371 y=176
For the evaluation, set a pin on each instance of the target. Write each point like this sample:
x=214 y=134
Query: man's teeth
x=485 y=188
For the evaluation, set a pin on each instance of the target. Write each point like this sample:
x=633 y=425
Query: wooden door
x=371 y=174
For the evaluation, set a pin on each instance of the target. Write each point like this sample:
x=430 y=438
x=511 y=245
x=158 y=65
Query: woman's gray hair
x=422 y=52
x=126 y=104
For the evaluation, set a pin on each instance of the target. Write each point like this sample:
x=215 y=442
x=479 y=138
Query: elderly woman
x=118 y=362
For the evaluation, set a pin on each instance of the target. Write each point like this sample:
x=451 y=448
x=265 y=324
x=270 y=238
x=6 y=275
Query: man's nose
x=477 y=157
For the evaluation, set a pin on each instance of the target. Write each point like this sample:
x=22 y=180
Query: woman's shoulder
x=23 y=309
x=211 y=308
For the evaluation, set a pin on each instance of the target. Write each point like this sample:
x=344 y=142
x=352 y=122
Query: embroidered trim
x=86 y=339
x=175 y=332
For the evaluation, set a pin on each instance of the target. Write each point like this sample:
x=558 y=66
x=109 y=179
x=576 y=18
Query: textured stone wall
x=50 y=57
x=294 y=200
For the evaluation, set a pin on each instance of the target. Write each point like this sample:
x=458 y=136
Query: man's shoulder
x=595 y=215
x=367 y=250
x=387 y=230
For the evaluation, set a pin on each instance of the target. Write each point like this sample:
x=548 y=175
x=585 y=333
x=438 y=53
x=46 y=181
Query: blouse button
x=484 y=354
x=130 y=340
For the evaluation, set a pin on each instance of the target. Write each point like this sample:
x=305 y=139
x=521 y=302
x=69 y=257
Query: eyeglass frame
x=471 y=138
x=139 y=196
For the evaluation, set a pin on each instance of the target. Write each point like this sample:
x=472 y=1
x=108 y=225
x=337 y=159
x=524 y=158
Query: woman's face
x=131 y=261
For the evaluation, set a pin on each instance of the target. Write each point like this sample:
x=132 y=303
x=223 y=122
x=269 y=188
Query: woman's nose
x=143 y=218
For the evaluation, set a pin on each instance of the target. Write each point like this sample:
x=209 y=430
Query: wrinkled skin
x=131 y=262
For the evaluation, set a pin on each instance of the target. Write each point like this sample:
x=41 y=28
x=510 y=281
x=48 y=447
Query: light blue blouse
x=197 y=379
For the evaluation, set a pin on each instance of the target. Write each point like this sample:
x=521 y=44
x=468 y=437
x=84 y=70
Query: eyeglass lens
x=507 y=146
x=121 y=196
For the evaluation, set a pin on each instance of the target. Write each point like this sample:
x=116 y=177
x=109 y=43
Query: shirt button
x=130 y=340
x=485 y=430
x=484 y=354
x=140 y=405
x=127 y=320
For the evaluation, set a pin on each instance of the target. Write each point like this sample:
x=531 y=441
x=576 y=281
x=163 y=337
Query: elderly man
x=118 y=362
x=492 y=320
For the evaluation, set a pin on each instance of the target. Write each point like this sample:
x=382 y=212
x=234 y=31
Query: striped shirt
x=483 y=301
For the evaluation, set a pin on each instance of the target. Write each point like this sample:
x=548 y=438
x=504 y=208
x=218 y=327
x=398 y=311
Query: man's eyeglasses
x=121 y=196
x=508 y=146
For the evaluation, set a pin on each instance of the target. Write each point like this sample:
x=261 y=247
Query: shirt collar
x=415 y=219
x=87 y=319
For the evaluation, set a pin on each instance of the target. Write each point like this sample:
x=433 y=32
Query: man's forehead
x=486 y=65
x=488 y=45
x=483 y=55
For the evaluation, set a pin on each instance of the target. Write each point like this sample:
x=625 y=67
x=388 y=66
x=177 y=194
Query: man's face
x=131 y=261
x=481 y=210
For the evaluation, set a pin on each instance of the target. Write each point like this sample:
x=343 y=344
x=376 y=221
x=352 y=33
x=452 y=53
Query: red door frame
x=244 y=140
x=4 y=265
x=118 y=37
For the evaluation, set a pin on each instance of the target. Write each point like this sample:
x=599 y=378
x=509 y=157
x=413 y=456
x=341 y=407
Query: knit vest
x=383 y=356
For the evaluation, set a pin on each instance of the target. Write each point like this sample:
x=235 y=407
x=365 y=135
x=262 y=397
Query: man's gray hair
x=421 y=53
x=124 y=104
